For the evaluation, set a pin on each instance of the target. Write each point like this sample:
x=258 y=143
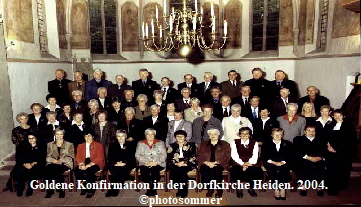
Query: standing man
x=215 y=99
x=204 y=88
x=77 y=84
x=189 y=82
x=314 y=98
x=91 y=87
x=244 y=100
x=169 y=94
x=282 y=82
x=59 y=87
x=103 y=101
x=117 y=89
x=184 y=102
x=279 y=104
x=260 y=87
x=144 y=85
x=224 y=110
x=232 y=86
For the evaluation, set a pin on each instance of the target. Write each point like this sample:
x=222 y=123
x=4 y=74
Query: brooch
x=185 y=148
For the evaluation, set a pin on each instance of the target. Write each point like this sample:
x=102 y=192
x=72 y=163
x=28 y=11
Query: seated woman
x=21 y=132
x=30 y=163
x=77 y=130
x=59 y=159
x=308 y=111
x=245 y=160
x=213 y=157
x=89 y=160
x=47 y=129
x=132 y=126
x=37 y=117
x=277 y=159
x=341 y=146
x=90 y=116
x=52 y=106
x=104 y=131
x=142 y=110
x=194 y=111
x=121 y=161
x=180 y=160
x=66 y=116
x=309 y=153
x=115 y=113
x=151 y=155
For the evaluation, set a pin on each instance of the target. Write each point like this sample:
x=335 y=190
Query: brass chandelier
x=182 y=30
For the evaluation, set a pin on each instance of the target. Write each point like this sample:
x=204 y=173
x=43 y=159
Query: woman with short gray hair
x=194 y=111
x=142 y=110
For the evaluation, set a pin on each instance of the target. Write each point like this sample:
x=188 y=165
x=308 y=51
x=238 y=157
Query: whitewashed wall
x=327 y=74
x=29 y=83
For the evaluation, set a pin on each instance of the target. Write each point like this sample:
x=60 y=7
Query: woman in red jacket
x=89 y=160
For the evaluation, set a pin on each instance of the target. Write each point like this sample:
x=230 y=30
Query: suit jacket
x=126 y=104
x=179 y=104
x=47 y=132
x=189 y=114
x=213 y=123
x=202 y=93
x=295 y=129
x=96 y=154
x=218 y=112
x=91 y=88
x=319 y=101
x=269 y=152
x=194 y=88
x=146 y=89
x=25 y=153
x=290 y=84
x=160 y=126
x=114 y=116
x=261 y=134
x=189 y=155
x=125 y=154
x=163 y=108
x=222 y=153
x=157 y=153
x=107 y=103
x=172 y=95
x=66 y=153
x=183 y=125
x=246 y=109
x=75 y=135
x=60 y=92
x=32 y=121
x=105 y=137
x=229 y=90
x=115 y=91
x=81 y=106
x=279 y=108
x=214 y=102
x=303 y=146
x=134 y=130
x=261 y=88
x=141 y=115
x=72 y=86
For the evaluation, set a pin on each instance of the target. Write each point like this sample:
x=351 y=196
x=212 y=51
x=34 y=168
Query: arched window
x=265 y=24
x=103 y=26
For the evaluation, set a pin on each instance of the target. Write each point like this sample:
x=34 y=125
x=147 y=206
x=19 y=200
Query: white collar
x=235 y=119
x=245 y=143
x=276 y=143
x=166 y=87
x=56 y=123
x=48 y=106
x=243 y=97
x=226 y=107
x=154 y=117
x=320 y=119
x=189 y=99
x=73 y=122
x=264 y=120
x=101 y=98
x=310 y=138
x=178 y=121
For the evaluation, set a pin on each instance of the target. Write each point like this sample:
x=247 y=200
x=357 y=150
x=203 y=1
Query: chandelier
x=182 y=30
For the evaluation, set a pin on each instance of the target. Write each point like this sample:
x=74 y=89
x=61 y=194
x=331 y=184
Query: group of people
x=95 y=125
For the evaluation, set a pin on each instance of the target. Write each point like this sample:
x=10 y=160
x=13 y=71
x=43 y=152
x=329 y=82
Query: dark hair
x=49 y=96
x=115 y=99
x=337 y=111
x=309 y=126
x=178 y=111
x=274 y=130
x=207 y=105
x=245 y=129
x=101 y=112
x=257 y=69
x=36 y=104
x=215 y=87
x=180 y=132
x=65 y=104
x=232 y=71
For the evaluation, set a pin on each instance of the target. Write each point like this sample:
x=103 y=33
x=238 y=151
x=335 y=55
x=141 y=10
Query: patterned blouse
x=186 y=154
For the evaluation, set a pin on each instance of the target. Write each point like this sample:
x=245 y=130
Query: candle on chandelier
x=170 y=23
x=165 y=7
x=160 y=31
x=225 y=27
x=152 y=24
x=143 y=30
x=146 y=29
x=201 y=10
x=214 y=25
x=196 y=6
x=212 y=10
x=156 y=12
x=194 y=23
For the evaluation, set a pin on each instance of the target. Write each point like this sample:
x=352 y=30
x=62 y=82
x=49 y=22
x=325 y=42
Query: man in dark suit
x=169 y=94
x=315 y=98
x=282 y=82
x=279 y=104
x=103 y=101
x=232 y=86
x=254 y=111
x=184 y=102
x=262 y=126
x=59 y=87
x=78 y=104
x=77 y=84
x=243 y=100
x=144 y=85
x=224 y=110
x=91 y=87
x=204 y=88
x=117 y=89
x=215 y=99
x=157 y=122
x=129 y=100
x=189 y=82
x=260 y=87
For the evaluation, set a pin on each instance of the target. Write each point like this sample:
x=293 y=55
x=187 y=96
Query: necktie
x=215 y=100
x=165 y=93
x=278 y=83
x=254 y=113
x=187 y=104
x=144 y=82
x=225 y=112
x=205 y=86
x=79 y=85
x=245 y=101
x=234 y=84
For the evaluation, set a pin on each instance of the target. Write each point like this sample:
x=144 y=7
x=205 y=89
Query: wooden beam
x=353 y=5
